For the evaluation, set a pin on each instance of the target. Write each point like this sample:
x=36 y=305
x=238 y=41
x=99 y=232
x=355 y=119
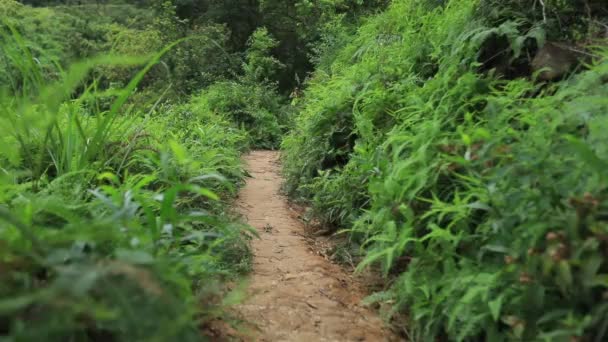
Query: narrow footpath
x=295 y=294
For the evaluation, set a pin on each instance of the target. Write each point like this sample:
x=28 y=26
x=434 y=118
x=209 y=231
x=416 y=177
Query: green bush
x=481 y=189
x=61 y=35
x=202 y=60
x=251 y=101
x=250 y=107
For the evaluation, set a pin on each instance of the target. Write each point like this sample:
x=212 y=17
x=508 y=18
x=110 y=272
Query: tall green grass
x=113 y=223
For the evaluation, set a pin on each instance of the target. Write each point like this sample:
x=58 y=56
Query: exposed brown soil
x=294 y=294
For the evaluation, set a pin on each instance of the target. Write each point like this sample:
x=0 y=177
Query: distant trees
x=298 y=26
x=38 y=3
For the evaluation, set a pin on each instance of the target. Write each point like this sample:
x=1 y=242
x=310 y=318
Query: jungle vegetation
x=460 y=147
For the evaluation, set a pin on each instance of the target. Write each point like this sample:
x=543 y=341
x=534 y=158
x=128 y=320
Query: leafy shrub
x=251 y=107
x=61 y=35
x=44 y=31
x=203 y=59
x=260 y=66
x=480 y=188
x=251 y=101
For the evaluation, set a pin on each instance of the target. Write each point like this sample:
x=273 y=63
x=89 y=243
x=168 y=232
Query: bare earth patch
x=295 y=294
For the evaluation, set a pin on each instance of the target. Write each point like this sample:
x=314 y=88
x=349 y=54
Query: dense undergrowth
x=252 y=100
x=122 y=125
x=114 y=188
x=462 y=145
x=108 y=218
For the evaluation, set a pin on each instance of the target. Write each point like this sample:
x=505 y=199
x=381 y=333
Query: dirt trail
x=294 y=294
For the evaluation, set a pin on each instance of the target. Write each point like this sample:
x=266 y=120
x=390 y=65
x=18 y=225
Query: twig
x=588 y=8
x=312 y=306
x=542 y=3
x=579 y=51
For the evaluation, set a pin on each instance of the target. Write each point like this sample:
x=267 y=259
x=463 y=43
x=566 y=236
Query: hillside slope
x=462 y=146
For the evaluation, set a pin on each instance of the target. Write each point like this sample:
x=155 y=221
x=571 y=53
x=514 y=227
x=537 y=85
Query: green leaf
x=600 y=280
x=495 y=307
x=564 y=273
x=179 y=151
x=587 y=155
x=208 y=193
x=10 y=305
x=134 y=257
